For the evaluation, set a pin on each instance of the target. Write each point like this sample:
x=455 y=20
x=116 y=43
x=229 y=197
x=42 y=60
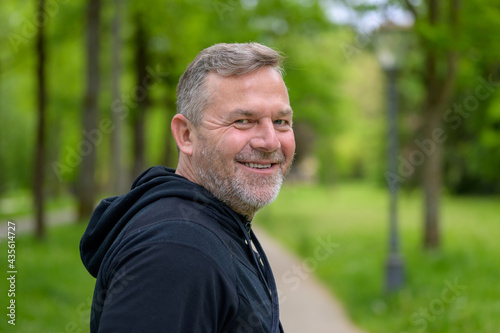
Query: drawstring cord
x=267 y=275
x=272 y=287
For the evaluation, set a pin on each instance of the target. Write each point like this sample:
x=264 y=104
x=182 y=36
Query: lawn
x=53 y=289
x=454 y=290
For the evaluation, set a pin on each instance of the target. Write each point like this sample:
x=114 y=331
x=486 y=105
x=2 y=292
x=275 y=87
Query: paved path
x=24 y=224
x=305 y=305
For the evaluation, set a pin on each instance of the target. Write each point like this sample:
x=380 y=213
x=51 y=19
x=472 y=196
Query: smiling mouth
x=257 y=165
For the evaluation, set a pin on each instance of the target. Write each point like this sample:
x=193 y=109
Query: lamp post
x=390 y=53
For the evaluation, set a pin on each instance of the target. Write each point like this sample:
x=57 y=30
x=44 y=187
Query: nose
x=265 y=138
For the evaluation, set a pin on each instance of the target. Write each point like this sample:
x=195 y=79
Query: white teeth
x=257 y=166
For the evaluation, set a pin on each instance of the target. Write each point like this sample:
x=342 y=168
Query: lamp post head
x=390 y=45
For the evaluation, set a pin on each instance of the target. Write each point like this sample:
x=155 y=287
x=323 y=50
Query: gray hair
x=226 y=60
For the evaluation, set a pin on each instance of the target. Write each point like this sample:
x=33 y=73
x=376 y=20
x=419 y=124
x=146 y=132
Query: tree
x=170 y=154
x=39 y=165
x=438 y=24
x=119 y=179
x=457 y=103
x=452 y=60
x=141 y=96
x=87 y=184
x=471 y=167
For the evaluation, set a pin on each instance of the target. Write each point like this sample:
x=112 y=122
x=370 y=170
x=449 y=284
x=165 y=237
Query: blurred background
x=397 y=123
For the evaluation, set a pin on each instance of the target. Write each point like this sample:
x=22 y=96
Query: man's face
x=244 y=145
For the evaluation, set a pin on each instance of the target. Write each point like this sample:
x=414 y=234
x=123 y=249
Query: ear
x=182 y=131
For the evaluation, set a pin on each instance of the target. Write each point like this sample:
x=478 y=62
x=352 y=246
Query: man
x=175 y=254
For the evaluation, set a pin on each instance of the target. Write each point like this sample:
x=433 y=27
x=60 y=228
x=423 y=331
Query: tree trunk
x=431 y=174
x=169 y=156
x=39 y=165
x=432 y=182
x=91 y=135
x=439 y=91
x=170 y=153
x=119 y=179
x=141 y=96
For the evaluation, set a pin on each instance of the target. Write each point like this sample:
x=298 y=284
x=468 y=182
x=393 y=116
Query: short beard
x=245 y=191
x=244 y=195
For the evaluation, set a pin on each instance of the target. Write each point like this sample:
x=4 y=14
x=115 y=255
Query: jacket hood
x=112 y=214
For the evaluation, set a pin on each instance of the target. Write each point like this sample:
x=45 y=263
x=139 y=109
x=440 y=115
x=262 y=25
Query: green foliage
x=313 y=80
x=470 y=160
x=336 y=87
x=473 y=157
x=16 y=83
x=355 y=216
x=473 y=162
x=175 y=31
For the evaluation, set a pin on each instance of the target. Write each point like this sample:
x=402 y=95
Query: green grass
x=53 y=289
x=356 y=217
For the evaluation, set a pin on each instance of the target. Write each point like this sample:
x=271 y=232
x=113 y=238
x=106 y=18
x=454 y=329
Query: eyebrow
x=285 y=112
x=252 y=114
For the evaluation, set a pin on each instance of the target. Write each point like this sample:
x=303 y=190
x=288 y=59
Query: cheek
x=232 y=145
x=288 y=145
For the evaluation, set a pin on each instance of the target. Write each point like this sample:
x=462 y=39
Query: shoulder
x=166 y=282
x=172 y=227
x=180 y=221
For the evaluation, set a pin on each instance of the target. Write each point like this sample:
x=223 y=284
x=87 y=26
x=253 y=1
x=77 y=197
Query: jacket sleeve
x=167 y=287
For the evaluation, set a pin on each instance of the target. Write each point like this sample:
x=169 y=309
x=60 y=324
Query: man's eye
x=280 y=122
x=242 y=121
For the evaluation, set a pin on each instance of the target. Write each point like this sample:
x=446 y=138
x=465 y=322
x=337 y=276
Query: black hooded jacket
x=169 y=257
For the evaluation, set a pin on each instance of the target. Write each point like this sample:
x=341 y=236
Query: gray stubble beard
x=244 y=195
